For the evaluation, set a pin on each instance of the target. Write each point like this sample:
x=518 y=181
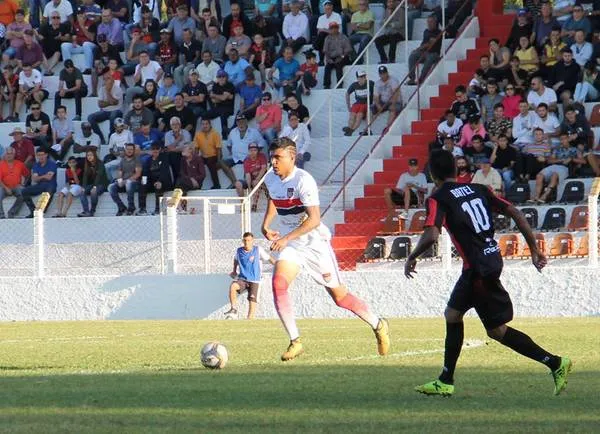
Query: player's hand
x=279 y=244
x=270 y=235
x=539 y=260
x=233 y=274
x=409 y=268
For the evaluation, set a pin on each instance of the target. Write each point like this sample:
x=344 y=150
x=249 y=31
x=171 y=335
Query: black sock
x=455 y=332
x=525 y=346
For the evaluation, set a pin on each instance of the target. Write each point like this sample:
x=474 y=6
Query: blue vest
x=249 y=263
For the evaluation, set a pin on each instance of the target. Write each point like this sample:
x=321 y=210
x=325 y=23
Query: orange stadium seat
x=562 y=245
x=509 y=245
x=579 y=219
x=417 y=222
x=541 y=243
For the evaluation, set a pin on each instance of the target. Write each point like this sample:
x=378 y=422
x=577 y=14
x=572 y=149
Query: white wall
x=558 y=291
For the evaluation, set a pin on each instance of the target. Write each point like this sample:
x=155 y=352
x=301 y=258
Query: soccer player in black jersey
x=465 y=210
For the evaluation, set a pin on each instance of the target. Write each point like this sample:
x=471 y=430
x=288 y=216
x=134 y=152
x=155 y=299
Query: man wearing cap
x=328 y=17
x=43 y=175
x=70 y=85
x=165 y=96
x=84 y=33
x=295 y=28
x=30 y=52
x=287 y=67
x=222 y=101
x=110 y=100
x=86 y=140
x=52 y=35
x=255 y=167
x=30 y=89
x=250 y=95
x=24 y=149
x=195 y=94
x=488 y=176
x=167 y=51
x=268 y=117
x=237 y=68
x=337 y=50
x=181 y=22
x=14 y=34
x=358 y=110
x=410 y=190
x=145 y=70
x=387 y=96
x=427 y=53
x=13 y=175
x=190 y=54
x=239 y=139
x=362 y=25
x=63 y=7
x=112 y=28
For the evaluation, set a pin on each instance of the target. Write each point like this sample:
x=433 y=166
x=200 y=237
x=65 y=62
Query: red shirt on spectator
x=253 y=167
x=313 y=69
x=166 y=51
x=235 y=23
x=90 y=26
x=23 y=149
x=10 y=175
x=465 y=178
x=511 y=105
x=69 y=175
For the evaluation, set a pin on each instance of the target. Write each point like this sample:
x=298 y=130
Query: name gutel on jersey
x=462 y=191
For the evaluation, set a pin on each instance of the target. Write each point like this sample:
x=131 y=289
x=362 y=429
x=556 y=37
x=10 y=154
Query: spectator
x=109 y=101
x=534 y=7
x=517 y=76
x=503 y=159
x=450 y=127
x=181 y=22
x=207 y=70
x=30 y=89
x=239 y=42
x=565 y=74
x=38 y=126
x=307 y=75
x=490 y=100
x=386 y=97
x=84 y=35
x=410 y=190
x=116 y=143
x=195 y=95
x=449 y=144
x=544 y=25
x=463 y=171
x=528 y=56
x=291 y=104
x=24 y=150
x=191 y=172
x=577 y=128
x=87 y=140
x=9 y=87
x=138 y=46
x=237 y=68
x=156 y=178
x=362 y=25
x=522 y=28
x=337 y=50
x=62 y=134
x=523 y=125
x=128 y=179
x=71 y=189
x=551 y=52
x=295 y=28
x=541 y=94
x=63 y=7
x=261 y=56
x=165 y=96
x=111 y=28
x=93 y=183
x=268 y=29
x=267 y=9
x=471 y=130
x=427 y=53
x=239 y=139
x=30 y=53
x=328 y=17
x=144 y=139
x=255 y=167
x=488 y=177
x=222 y=102
x=189 y=56
x=52 y=35
x=146 y=70
x=358 y=110
x=287 y=67
x=43 y=175
x=582 y=50
x=535 y=155
x=176 y=139
x=13 y=175
x=236 y=16
x=185 y=114
x=209 y=146
x=499 y=125
x=15 y=35
x=477 y=152
x=92 y=10
x=484 y=73
x=348 y=8
x=299 y=133
x=148 y=32
x=138 y=8
x=119 y=9
x=250 y=95
x=464 y=107
x=268 y=117
x=70 y=85
x=167 y=52
x=207 y=19
x=499 y=60
x=589 y=88
x=511 y=102
x=577 y=21
x=215 y=44
x=138 y=115
x=548 y=122
x=392 y=34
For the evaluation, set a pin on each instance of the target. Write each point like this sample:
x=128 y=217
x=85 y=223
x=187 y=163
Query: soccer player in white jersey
x=303 y=241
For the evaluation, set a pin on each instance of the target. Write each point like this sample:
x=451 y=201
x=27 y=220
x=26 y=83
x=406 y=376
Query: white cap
x=361 y=73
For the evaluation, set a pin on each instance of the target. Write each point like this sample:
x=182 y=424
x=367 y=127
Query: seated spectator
x=410 y=190
x=448 y=144
x=528 y=56
x=267 y=9
x=71 y=189
x=543 y=26
x=167 y=52
x=463 y=171
x=239 y=42
x=156 y=178
x=191 y=172
x=358 y=110
x=92 y=10
x=523 y=125
x=30 y=90
x=209 y=146
x=337 y=50
x=541 y=94
x=499 y=61
x=351 y=6
x=38 y=126
x=477 y=152
x=488 y=177
x=328 y=17
x=255 y=167
x=535 y=155
x=144 y=139
x=138 y=115
x=207 y=70
x=43 y=176
x=70 y=85
x=511 y=102
x=137 y=46
x=490 y=100
x=472 y=129
x=427 y=53
x=589 y=88
x=119 y=9
x=577 y=128
x=111 y=28
x=577 y=21
x=215 y=44
x=386 y=97
x=287 y=67
x=190 y=55
x=582 y=50
x=84 y=35
x=268 y=29
x=207 y=18
x=195 y=95
x=261 y=56
x=63 y=7
x=116 y=143
x=477 y=83
x=24 y=150
x=239 y=139
x=62 y=135
x=392 y=34
x=176 y=139
x=307 y=75
x=104 y=57
x=250 y=95
x=299 y=133
x=451 y=126
x=295 y=28
x=522 y=28
x=109 y=101
x=548 y=122
x=147 y=29
x=165 y=95
x=14 y=34
x=362 y=27
x=128 y=179
x=9 y=87
x=551 y=52
x=268 y=117
x=517 y=76
x=222 y=102
x=464 y=107
x=237 y=68
x=503 y=159
x=564 y=76
x=179 y=23
x=237 y=15
x=30 y=53
x=145 y=70
x=556 y=172
x=499 y=125
x=87 y=140
x=13 y=176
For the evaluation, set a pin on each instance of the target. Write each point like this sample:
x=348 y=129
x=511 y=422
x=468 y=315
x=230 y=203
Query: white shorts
x=559 y=169
x=74 y=189
x=317 y=258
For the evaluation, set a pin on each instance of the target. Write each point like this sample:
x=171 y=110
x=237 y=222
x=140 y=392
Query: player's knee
x=387 y=191
x=452 y=315
x=280 y=284
x=496 y=333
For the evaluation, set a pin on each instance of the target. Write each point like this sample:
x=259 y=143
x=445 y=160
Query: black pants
x=296 y=45
x=185 y=184
x=82 y=92
x=532 y=166
x=175 y=163
x=339 y=72
x=391 y=40
x=148 y=188
x=220 y=112
x=319 y=43
x=213 y=169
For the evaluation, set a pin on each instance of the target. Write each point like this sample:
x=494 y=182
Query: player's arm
x=431 y=233
x=312 y=221
x=267 y=220
x=538 y=258
x=235 y=266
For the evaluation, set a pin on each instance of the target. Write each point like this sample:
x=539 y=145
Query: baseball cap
x=240 y=117
x=484 y=160
x=361 y=73
x=81 y=10
x=413 y=162
x=327 y=2
x=193 y=72
x=221 y=73
x=68 y=63
x=119 y=122
x=522 y=12
x=165 y=30
x=333 y=24
x=16 y=130
x=382 y=69
x=102 y=37
x=253 y=145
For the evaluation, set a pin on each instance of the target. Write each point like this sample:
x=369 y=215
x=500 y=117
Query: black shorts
x=251 y=287
x=398 y=197
x=486 y=294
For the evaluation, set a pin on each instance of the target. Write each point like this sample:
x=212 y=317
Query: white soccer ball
x=213 y=355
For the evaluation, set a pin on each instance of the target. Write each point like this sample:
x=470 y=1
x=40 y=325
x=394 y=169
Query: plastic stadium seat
x=400 y=248
x=375 y=249
x=554 y=220
x=579 y=219
x=509 y=245
x=595 y=117
x=583 y=248
x=541 y=243
x=573 y=193
x=531 y=215
x=417 y=222
x=518 y=193
x=501 y=222
x=562 y=245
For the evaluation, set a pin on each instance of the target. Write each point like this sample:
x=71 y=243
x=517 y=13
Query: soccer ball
x=213 y=355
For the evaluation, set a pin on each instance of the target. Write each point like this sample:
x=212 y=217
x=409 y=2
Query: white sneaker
x=403 y=215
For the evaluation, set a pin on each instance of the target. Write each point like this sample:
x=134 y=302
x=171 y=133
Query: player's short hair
x=248 y=235
x=283 y=143
x=442 y=165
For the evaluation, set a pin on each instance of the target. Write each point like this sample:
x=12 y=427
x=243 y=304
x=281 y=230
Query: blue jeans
x=101 y=116
x=507 y=178
x=130 y=188
x=362 y=39
x=95 y=191
x=269 y=134
x=34 y=12
x=10 y=52
x=585 y=91
x=67 y=48
x=27 y=193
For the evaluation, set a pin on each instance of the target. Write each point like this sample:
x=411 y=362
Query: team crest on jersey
x=327 y=277
x=290 y=192
x=252 y=258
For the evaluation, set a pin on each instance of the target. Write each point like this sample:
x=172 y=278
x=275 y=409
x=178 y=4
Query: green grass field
x=145 y=376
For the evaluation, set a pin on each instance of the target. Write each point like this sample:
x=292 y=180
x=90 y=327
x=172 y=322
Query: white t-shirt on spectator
x=117 y=141
x=64 y=8
x=323 y=22
x=92 y=140
x=418 y=180
x=548 y=97
x=523 y=126
x=152 y=5
x=456 y=151
x=148 y=72
x=31 y=81
x=492 y=179
x=550 y=125
x=444 y=128
x=116 y=92
x=208 y=74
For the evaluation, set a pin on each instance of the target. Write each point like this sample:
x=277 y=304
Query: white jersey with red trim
x=291 y=196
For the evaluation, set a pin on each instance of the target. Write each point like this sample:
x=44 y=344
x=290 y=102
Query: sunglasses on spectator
x=266 y=99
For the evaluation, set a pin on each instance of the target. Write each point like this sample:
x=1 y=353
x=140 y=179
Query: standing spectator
x=128 y=179
x=490 y=100
x=14 y=34
x=62 y=134
x=110 y=101
x=499 y=125
x=156 y=178
x=237 y=68
x=295 y=28
x=181 y=22
x=323 y=29
x=239 y=42
x=387 y=96
x=191 y=172
x=63 y=7
x=189 y=57
x=392 y=34
x=523 y=125
x=93 y=182
x=299 y=133
x=261 y=56
x=70 y=85
x=511 y=102
x=464 y=107
x=250 y=95
x=463 y=171
x=13 y=174
x=362 y=95
x=541 y=94
x=236 y=17
x=207 y=70
x=38 y=126
x=24 y=150
x=112 y=28
x=577 y=21
x=208 y=143
x=565 y=74
x=167 y=52
x=84 y=35
x=488 y=177
x=215 y=44
x=582 y=50
x=146 y=70
x=43 y=175
x=471 y=129
x=195 y=94
x=428 y=52
x=307 y=75
x=71 y=189
x=138 y=115
x=30 y=53
x=255 y=167
x=240 y=138
x=52 y=35
x=30 y=89
x=503 y=159
x=268 y=117
x=451 y=126
x=222 y=102
x=337 y=50
x=287 y=67
x=362 y=25
x=410 y=190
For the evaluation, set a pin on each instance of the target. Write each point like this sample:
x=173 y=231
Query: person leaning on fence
x=427 y=53
x=128 y=179
x=94 y=182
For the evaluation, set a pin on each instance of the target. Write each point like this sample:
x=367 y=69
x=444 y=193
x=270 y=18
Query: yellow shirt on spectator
x=352 y=5
x=551 y=53
x=526 y=55
x=208 y=144
x=362 y=18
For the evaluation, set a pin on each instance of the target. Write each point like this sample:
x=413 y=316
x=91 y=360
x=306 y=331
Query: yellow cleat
x=293 y=350
x=561 y=374
x=382 y=333
x=436 y=387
